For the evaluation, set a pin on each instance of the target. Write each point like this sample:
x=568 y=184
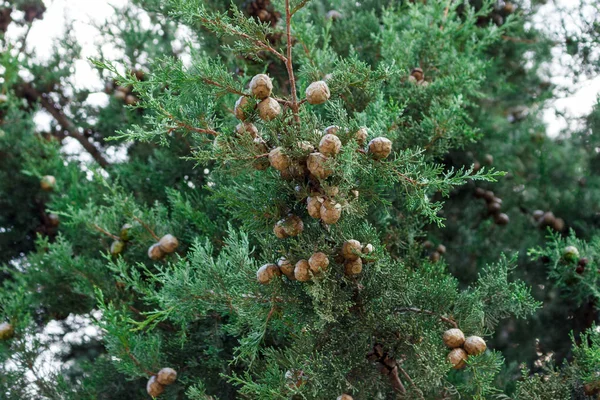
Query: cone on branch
x=155 y=252
x=286 y=267
x=246 y=128
x=154 y=388
x=261 y=86
x=266 y=273
x=454 y=338
x=47 y=183
x=117 y=247
x=166 y=376
x=317 y=93
x=278 y=159
x=331 y=212
x=474 y=345
x=361 y=135
x=351 y=250
x=291 y=225
x=330 y=145
x=125 y=232
x=240 y=109
x=268 y=109
x=313 y=206
x=6 y=331
x=458 y=358
x=380 y=148
x=318 y=262
x=316 y=165
x=168 y=243
x=353 y=267
x=302 y=271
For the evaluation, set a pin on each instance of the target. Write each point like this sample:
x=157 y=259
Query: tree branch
x=67 y=125
x=420 y=311
x=288 y=61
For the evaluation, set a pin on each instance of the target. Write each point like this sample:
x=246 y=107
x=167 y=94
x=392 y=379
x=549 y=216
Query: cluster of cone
x=462 y=348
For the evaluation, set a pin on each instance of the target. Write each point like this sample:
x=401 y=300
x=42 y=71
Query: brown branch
x=396 y=382
x=67 y=125
x=257 y=42
x=136 y=361
x=518 y=40
x=147 y=228
x=227 y=88
x=420 y=311
x=288 y=62
x=412 y=383
x=99 y=229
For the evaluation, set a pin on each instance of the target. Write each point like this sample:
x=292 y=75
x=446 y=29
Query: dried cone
x=317 y=93
x=331 y=130
x=166 y=376
x=246 y=128
x=241 y=105
x=417 y=73
x=313 y=205
x=168 y=243
x=353 y=267
x=351 y=250
x=261 y=86
x=306 y=146
x=316 y=165
x=154 y=388
x=155 y=252
x=368 y=249
x=54 y=220
x=380 y=147
x=457 y=358
x=47 y=183
x=302 y=271
x=266 y=273
x=345 y=397
x=6 y=331
x=286 y=267
x=330 y=145
x=474 y=345
x=117 y=247
x=330 y=212
x=318 y=262
x=291 y=225
x=454 y=338
x=268 y=109
x=361 y=135
x=278 y=159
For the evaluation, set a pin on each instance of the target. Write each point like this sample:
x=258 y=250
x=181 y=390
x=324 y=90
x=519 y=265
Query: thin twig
x=99 y=229
x=288 y=63
x=421 y=311
x=412 y=383
x=147 y=228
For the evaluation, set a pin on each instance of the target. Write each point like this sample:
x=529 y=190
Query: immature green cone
x=117 y=247
x=570 y=253
x=125 y=233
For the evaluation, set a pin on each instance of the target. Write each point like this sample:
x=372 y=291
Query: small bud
x=261 y=86
x=168 y=243
x=268 y=109
x=538 y=214
x=474 y=345
x=47 y=183
x=457 y=358
x=380 y=147
x=317 y=93
x=154 y=388
x=351 y=249
x=166 y=376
